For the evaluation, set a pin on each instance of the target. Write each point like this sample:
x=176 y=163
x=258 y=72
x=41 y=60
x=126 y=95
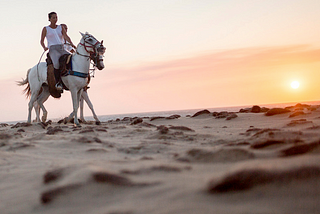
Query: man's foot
x=59 y=86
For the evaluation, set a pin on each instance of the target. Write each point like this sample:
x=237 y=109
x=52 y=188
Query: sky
x=170 y=54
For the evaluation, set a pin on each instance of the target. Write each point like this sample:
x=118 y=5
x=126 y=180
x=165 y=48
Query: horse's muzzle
x=99 y=63
x=101 y=50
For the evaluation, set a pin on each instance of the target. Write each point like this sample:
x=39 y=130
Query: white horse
x=88 y=48
x=84 y=97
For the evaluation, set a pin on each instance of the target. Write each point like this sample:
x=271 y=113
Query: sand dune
x=211 y=162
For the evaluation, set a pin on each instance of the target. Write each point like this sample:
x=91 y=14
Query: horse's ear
x=81 y=34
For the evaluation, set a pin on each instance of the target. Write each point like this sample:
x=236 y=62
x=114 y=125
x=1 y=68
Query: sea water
x=184 y=113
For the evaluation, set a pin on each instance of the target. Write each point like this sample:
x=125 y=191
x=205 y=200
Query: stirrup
x=59 y=86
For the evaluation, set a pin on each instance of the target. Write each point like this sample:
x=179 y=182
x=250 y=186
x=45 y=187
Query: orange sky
x=227 y=78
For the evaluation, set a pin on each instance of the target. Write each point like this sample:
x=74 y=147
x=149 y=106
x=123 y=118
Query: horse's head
x=94 y=48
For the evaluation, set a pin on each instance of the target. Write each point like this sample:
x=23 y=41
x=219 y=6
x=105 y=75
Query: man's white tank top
x=54 y=36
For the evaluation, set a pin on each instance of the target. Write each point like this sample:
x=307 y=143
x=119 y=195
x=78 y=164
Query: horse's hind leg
x=41 y=99
x=30 y=105
x=37 y=110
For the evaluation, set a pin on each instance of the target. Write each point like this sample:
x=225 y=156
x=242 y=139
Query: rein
x=82 y=54
x=38 y=65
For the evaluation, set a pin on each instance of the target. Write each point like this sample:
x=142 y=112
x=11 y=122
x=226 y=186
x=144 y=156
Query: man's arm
x=66 y=37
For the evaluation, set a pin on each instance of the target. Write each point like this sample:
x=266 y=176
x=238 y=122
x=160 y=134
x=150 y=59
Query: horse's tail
x=27 y=90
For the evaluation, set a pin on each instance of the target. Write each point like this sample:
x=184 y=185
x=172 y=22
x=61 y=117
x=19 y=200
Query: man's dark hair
x=50 y=14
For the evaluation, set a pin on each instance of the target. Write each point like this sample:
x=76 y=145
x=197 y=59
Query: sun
x=295 y=84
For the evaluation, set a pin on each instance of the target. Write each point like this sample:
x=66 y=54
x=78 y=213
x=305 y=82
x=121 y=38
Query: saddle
x=65 y=65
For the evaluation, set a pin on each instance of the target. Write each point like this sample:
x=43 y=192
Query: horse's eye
x=90 y=40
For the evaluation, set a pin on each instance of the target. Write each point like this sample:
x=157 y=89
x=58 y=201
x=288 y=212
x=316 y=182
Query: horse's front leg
x=86 y=98
x=75 y=101
x=81 y=106
x=68 y=119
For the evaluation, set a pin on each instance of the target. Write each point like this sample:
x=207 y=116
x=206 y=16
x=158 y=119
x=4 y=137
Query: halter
x=93 y=55
x=89 y=46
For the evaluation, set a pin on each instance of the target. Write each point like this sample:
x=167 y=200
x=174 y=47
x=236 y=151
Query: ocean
x=183 y=113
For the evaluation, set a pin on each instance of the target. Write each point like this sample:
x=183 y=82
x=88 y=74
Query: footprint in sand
x=61 y=181
x=19 y=145
x=302 y=148
x=221 y=155
x=161 y=168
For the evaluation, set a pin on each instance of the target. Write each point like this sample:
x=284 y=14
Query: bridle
x=95 y=54
x=89 y=37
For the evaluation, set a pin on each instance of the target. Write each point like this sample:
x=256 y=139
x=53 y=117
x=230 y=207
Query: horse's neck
x=81 y=61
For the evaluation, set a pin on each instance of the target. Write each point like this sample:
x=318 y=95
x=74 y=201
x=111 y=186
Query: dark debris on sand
x=224 y=114
x=163 y=129
x=136 y=121
x=52 y=175
x=217 y=115
x=18 y=125
x=248 y=178
x=172 y=117
x=254 y=109
x=299 y=122
x=275 y=111
x=203 y=112
x=181 y=128
x=52 y=130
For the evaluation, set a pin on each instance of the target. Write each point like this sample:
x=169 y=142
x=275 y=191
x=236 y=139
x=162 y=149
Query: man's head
x=65 y=27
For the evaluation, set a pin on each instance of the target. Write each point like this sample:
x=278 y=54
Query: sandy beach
x=209 y=162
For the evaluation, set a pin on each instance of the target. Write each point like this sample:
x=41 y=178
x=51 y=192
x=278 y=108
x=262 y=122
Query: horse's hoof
x=98 y=123
x=44 y=118
x=77 y=125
